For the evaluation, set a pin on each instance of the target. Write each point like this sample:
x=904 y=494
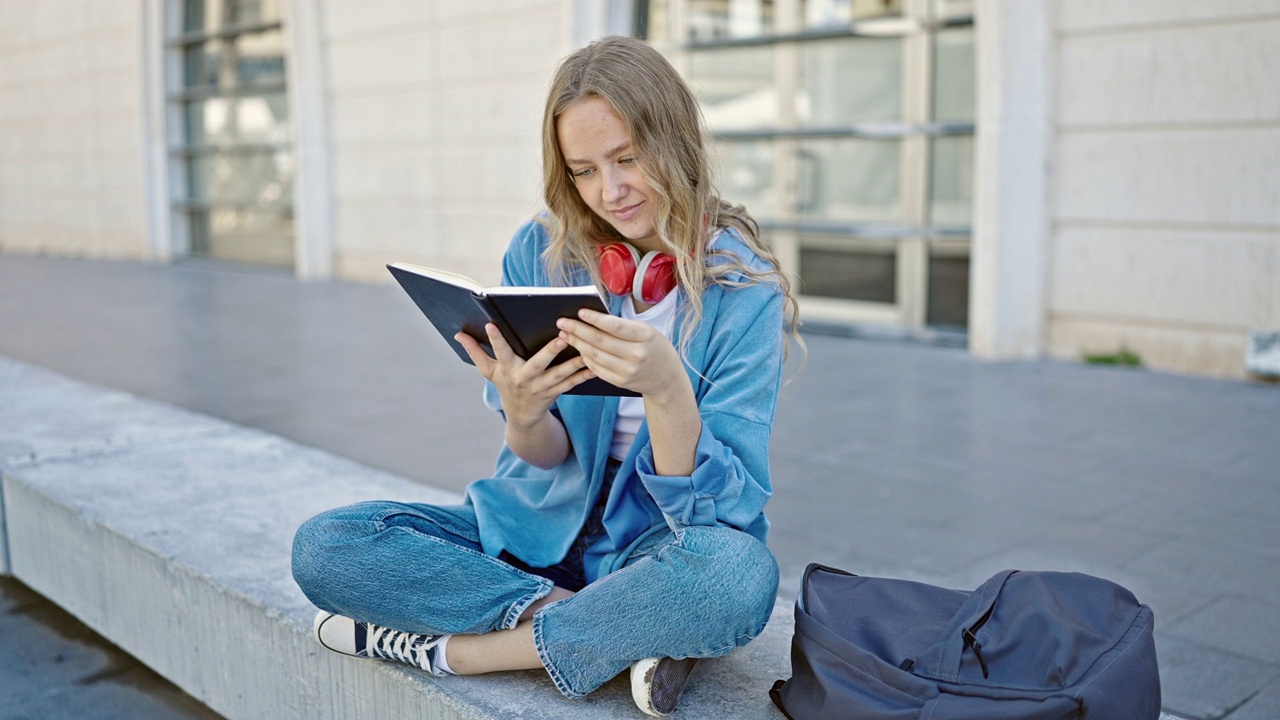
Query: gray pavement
x=889 y=458
x=52 y=667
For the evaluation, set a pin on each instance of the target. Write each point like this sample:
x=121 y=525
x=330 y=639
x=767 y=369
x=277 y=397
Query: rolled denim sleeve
x=730 y=482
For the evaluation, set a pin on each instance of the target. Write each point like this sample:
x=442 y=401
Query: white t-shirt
x=660 y=317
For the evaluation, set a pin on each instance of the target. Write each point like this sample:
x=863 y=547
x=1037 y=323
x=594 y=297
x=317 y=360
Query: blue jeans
x=699 y=591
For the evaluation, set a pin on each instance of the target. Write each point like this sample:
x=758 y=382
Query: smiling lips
x=627 y=212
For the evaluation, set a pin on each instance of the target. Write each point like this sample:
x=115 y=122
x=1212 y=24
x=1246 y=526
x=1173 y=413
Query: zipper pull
x=971 y=642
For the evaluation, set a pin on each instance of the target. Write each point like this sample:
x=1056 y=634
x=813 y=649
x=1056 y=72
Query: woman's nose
x=615 y=187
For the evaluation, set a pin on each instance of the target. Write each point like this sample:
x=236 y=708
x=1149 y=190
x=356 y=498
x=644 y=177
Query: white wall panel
x=1227 y=176
x=436 y=123
x=1166 y=180
x=1185 y=74
x=369 y=62
x=387 y=120
x=1109 y=14
x=387 y=174
x=346 y=19
x=1200 y=277
x=1173 y=348
x=72 y=149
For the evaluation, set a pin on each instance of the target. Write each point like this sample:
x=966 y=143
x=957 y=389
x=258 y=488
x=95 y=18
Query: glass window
x=833 y=13
x=948 y=304
x=239 y=119
x=842 y=81
x=261 y=178
x=236 y=154
x=849 y=180
x=242 y=61
x=736 y=87
x=954 y=96
x=651 y=20
x=211 y=16
x=848 y=273
x=720 y=19
x=846 y=127
x=951 y=181
x=746 y=176
x=242 y=235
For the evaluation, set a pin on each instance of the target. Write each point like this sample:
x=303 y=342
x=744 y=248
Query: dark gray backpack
x=1024 y=646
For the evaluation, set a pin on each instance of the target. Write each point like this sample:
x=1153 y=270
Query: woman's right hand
x=528 y=388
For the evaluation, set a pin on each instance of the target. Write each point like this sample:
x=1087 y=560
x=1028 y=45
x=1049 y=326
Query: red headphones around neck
x=624 y=271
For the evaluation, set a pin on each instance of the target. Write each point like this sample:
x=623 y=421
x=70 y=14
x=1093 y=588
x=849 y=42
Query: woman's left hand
x=632 y=355
x=627 y=353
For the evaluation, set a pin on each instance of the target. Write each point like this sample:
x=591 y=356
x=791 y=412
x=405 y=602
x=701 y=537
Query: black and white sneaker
x=657 y=683
x=365 y=640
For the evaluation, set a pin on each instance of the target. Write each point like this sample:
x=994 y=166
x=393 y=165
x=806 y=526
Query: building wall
x=436 y=112
x=72 y=169
x=1164 y=192
x=1165 y=200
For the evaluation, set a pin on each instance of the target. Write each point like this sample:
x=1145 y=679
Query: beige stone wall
x=1165 y=196
x=436 y=107
x=72 y=167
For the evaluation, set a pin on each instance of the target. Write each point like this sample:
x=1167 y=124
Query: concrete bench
x=168 y=532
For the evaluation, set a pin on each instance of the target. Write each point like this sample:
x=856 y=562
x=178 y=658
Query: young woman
x=615 y=532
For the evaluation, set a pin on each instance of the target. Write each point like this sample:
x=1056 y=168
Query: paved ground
x=52 y=667
x=889 y=458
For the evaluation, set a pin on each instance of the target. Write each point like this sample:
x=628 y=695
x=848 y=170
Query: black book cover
x=525 y=316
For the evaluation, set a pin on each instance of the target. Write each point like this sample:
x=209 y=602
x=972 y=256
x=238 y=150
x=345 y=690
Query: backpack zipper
x=971 y=640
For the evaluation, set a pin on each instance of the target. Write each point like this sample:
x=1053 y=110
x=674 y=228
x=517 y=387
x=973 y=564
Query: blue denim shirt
x=735 y=366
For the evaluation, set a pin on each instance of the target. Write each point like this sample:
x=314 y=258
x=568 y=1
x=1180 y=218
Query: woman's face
x=606 y=170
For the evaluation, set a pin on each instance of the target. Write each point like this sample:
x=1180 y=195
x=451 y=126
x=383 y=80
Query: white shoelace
x=408 y=648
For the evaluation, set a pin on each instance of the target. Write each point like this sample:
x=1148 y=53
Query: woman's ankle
x=493 y=652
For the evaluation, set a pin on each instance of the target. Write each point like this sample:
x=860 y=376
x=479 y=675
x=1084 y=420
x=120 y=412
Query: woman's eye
x=629 y=160
x=585 y=172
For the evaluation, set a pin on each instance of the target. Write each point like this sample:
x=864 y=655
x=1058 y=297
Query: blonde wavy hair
x=667 y=133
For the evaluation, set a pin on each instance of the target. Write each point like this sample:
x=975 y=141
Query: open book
x=526 y=316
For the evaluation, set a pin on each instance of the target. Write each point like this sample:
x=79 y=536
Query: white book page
x=517 y=290
x=451 y=278
x=463 y=281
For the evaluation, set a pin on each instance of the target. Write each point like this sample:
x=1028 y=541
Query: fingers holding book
x=627 y=353
x=528 y=387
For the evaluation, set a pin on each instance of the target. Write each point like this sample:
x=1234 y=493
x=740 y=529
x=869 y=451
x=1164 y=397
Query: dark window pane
x=948 y=291
x=198 y=222
x=849 y=275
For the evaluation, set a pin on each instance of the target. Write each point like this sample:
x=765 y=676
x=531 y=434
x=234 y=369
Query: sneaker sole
x=642 y=685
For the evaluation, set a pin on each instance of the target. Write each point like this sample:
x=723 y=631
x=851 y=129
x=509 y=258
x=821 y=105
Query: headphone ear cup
x=618 y=263
x=655 y=277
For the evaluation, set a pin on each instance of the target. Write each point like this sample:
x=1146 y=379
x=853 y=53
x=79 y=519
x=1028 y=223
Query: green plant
x=1123 y=356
